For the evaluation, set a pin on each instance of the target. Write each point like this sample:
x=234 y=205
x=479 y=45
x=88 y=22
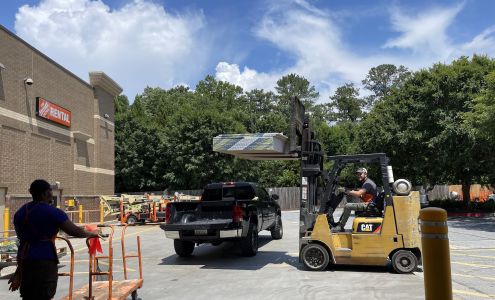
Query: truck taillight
x=237 y=213
x=168 y=213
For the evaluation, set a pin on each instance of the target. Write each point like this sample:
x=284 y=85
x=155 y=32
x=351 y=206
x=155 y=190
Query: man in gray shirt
x=367 y=193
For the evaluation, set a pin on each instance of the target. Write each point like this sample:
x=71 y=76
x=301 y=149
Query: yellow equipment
x=372 y=241
x=388 y=231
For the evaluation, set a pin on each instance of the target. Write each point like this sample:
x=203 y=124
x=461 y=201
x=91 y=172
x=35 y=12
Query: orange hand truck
x=108 y=289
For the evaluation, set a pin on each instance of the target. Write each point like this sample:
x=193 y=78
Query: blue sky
x=252 y=43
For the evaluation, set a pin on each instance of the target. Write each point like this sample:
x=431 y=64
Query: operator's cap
x=362 y=170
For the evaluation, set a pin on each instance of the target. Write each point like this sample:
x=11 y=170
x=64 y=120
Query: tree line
x=436 y=125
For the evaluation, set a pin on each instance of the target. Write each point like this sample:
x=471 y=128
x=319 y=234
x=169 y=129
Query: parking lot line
x=472 y=276
x=472 y=255
x=475 y=294
x=471 y=249
x=473 y=265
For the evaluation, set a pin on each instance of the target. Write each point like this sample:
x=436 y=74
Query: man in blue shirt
x=37 y=223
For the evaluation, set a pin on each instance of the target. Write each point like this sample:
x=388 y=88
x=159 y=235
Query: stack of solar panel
x=257 y=146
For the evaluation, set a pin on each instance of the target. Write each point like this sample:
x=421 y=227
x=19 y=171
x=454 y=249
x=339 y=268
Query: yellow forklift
x=387 y=231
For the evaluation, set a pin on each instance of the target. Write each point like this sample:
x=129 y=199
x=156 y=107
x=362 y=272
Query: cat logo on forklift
x=369 y=227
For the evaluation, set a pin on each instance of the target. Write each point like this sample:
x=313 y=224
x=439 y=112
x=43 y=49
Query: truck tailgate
x=199 y=224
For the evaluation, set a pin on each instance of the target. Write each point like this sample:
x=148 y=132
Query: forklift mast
x=312 y=156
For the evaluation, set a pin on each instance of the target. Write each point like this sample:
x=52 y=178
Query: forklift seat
x=374 y=209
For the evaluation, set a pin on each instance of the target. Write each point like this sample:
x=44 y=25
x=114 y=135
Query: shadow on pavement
x=473 y=223
x=353 y=268
x=227 y=256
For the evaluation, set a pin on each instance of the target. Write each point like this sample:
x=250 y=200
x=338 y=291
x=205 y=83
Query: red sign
x=52 y=112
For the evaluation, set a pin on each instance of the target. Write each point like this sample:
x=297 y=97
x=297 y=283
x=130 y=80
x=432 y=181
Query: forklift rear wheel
x=404 y=261
x=131 y=220
x=183 y=248
x=277 y=231
x=315 y=257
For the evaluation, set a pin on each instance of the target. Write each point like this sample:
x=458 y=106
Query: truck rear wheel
x=404 y=261
x=315 y=257
x=277 y=231
x=249 y=244
x=183 y=248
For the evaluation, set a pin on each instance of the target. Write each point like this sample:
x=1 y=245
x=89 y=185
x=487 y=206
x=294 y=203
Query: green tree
x=295 y=85
x=422 y=126
x=137 y=146
x=381 y=79
x=345 y=104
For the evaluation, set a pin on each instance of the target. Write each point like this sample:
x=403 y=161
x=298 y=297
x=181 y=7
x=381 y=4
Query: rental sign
x=47 y=110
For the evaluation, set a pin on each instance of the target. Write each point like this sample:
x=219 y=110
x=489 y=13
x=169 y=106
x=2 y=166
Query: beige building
x=53 y=124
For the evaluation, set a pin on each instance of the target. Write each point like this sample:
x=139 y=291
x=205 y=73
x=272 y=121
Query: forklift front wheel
x=315 y=257
x=404 y=261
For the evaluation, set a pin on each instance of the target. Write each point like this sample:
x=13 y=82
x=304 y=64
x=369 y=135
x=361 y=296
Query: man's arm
x=357 y=193
x=71 y=229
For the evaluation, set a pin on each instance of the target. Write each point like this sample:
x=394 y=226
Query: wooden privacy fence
x=442 y=192
x=288 y=196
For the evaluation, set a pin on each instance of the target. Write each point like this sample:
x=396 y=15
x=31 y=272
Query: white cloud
x=424 y=33
x=310 y=35
x=483 y=43
x=248 y=79
x=138 y=45
x=322 y=55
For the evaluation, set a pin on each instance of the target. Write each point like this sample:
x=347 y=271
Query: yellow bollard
x=102 y=213
x=6 y=222
x=436 y=254
x=80 y=214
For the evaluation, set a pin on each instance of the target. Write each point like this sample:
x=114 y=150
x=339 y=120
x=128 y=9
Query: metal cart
x=110 y=288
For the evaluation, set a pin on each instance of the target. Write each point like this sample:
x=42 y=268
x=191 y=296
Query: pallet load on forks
x=107 y=289
x=386 y=232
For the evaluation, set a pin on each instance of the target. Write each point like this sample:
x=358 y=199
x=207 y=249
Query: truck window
x=228 y=193
x=262 y=194
x=212 y=194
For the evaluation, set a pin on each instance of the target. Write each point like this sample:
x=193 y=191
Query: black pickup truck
x=234 y=211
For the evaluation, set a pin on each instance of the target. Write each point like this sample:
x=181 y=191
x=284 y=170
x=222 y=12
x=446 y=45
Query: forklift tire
x=249 y=244
x=183 y=248
x=404 y=261
x=277 y=231
x=315 y=257
x=131 y=220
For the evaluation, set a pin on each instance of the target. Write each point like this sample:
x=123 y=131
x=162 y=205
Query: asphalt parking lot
x=219 y=272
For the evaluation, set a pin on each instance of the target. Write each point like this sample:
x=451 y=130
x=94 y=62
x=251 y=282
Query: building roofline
x=45 y=56
x=100 y=79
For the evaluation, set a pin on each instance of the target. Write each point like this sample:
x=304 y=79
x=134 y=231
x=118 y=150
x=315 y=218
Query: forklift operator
x=367 y=193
